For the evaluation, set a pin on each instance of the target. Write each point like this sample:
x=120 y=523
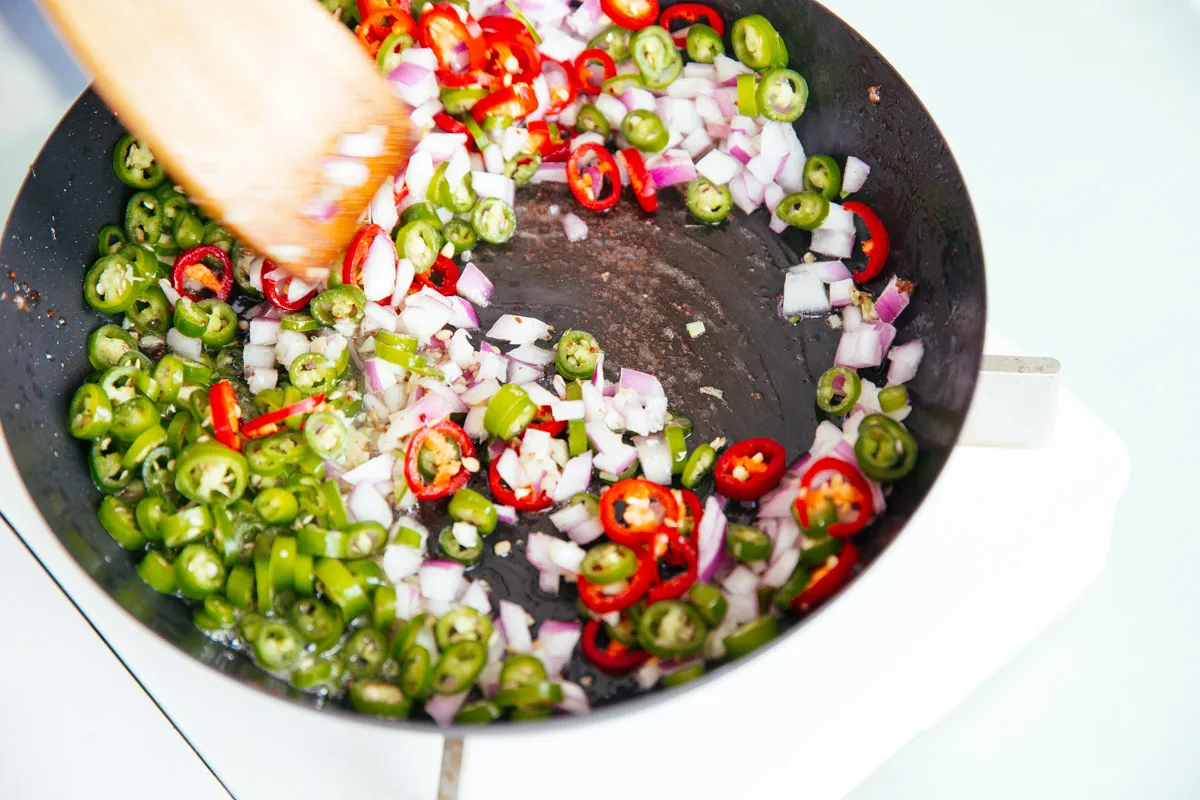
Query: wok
x=634 y=283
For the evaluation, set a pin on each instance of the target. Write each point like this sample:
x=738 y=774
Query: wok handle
x=1015 y=403
x=452 y=753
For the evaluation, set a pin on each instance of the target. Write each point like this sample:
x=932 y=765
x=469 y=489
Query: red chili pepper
x=191 y=266
x=582 y=186
x=450 y=445
x=517 y=101
x=496 y=25
x=447 y=270
x=690 y=14
x=544 y=421
x=356 y=254
x=521 y=50
x=463 y=80
x=637 y=496
x=750 y=469
x=592 y=595
x=399 y=191
x=673 y=588
x=271 y=422
x=631 y=14
x=853 y=493
x=639 y=179
x=226 y=415
x=276 y=289
x=563 y=91
x=449 y=123
x=616 y=657
x=687 y=522
x=534 y=501
x=826 y=580
x=442 y=30
x=548 y=140
x=583 y=71
x=877 y=247
x=382 y=23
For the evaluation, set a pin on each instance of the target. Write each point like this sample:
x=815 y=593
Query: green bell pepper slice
x=708 y=202
x=509 y=412
x=494 y=220
x=119 y=520
x=468 y=505
x=656 y=57
x=208 y=472
x=135 y=165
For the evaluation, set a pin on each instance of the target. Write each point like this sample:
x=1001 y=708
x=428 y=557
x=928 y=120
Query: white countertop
x=1075 y=128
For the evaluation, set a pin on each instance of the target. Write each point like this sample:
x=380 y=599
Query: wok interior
x=635 y=283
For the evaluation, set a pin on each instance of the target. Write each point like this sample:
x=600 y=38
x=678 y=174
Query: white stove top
x=1006 y=540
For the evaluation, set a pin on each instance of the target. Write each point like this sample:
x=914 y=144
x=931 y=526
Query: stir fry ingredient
x=268 y=446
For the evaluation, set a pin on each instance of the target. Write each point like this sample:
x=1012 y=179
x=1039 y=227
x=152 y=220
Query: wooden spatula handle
x=242 y=101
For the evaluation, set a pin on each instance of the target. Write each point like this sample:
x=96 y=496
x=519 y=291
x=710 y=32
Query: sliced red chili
x=560 y=79
x=433 y=464
x=356 y=254
x=381 y=23
x=627 y=510
x=276 y=289
x=877 y=247
x=399 y=191
x=593 y=595
x=272 y=421
x=450 y=124
x=750 y=469
x=851 y=496
x=548 y=140
x=194 y=265
x=587 y=183
x=682 y=550
x=464 y=80
x=631 y=14
x=442 y=31
x=446 y=272
x=495 y=25
x=226 y=415
x=639 y=179
x=513 y=57
x=687 y=522
x=827 y=579
x=585 y=79
x=517 y=101
x=503 y=494
x=689 y=14
x=544 y=421
x=616 y=657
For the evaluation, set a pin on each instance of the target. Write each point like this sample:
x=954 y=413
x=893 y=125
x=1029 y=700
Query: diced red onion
x=264 y=331
x=841 y=293
x=383 y=206
x=838 y=219
x=460 y=350
x=742 y=581
x=695 y=69
x=635 y=99
x=427 y=410
x=712 y=538
x=893 y=299
x=717 y=167
x=379 y=269
x=778 y=503
x=506 y=514
x=740 y=608
x=566 y=556
x=558 y=640
x=587 y=532
x=441 y=146
x=671 y=167
x=413 y=84
x=441 y=580
x=475 y=286
x=421 y=56
x=854 y=175
x=443 y=707
x=377 y=317
x=613 y=109
x=521 y=374
x=648 y=674
x=169 y=291
x=827 y=271
x=373 y=471
x=791 y=177
x=851 y=318
x=567 y=410
x=574 y=227
x=740 y=147
x=887 y=333
x=740 y=195
x=559 y=45
x=688 y=88
x=654 y=457
x=366 y=503
x=697 y=143
x=859 y=348
x=905 y=359
x=550 y=173
x=729 y=68
x=745 y=124
x=803 y=295
x=755 y=189
x=838 y=244
x=408 y=595
x=262 y=379
x=594 y=409
x=642 y=383
x=380 y=375
x=518 y=330
x=462 y=314
x=781 y=568
x=531 y=354
x=189 y=347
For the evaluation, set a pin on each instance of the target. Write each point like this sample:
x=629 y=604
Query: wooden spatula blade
x=268 y=112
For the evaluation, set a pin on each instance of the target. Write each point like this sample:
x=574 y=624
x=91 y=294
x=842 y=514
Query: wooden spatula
x=268 y=112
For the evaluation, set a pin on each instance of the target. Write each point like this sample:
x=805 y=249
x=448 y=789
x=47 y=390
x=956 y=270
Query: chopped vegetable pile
x=265 y=443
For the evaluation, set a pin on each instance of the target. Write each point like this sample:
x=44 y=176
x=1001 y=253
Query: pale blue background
x=1077 y=126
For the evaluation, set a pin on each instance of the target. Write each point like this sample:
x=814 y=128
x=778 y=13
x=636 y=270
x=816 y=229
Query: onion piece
x=372 y=471
x=261 y=379
x=654 y=457
x=905 y=359
x=378 y=269
x=441 y=580
x=712 y=539
x=518 y=330
x=189 y=347
x=574 y=227
x=475 y=286
x=718 y=167
x=587 y=532
x=803 y=295
x=859 y=348
x=531 y=354
x=672 y=167
x=576 y=476
x=366 y=503
x=841 y=293
x=443 y=707
x=838 y=244
x=894 y=298
x=854 y=175
x=264 y=331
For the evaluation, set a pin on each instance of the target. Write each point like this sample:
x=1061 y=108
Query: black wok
x=635 y=283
